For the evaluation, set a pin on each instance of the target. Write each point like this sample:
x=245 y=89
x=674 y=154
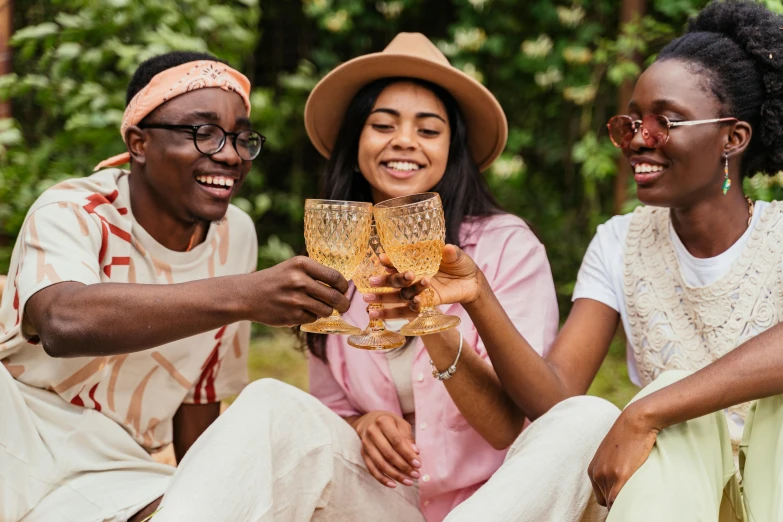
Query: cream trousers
x=690 y=474
x=279 y=454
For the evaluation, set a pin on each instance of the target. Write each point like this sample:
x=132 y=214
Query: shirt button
x=423 y=425
x=420 y=377
x=425 y=478
x=426 y=503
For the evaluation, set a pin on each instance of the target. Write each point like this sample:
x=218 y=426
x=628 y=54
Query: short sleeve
x=602 y=264
x=519 y=274
x=224 y=373
x=325 y=388
x=59 y=242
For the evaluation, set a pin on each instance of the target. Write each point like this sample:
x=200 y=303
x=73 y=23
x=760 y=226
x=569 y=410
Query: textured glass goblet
x=336 y=235
x=412 y=230
x=375 y=336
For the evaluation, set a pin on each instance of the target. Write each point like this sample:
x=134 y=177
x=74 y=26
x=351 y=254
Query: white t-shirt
x=83 y=230
x=601 y=275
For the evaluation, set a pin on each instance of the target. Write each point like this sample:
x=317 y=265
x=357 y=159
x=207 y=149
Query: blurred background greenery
x=560 y=68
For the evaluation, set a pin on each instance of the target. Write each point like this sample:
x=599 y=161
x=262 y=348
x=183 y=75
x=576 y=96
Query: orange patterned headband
x=170 y=84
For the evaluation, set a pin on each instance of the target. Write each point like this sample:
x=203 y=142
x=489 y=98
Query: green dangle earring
x=726 y=180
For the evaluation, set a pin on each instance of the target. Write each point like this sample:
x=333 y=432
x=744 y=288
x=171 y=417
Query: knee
x=587 y=410
x=268 y=393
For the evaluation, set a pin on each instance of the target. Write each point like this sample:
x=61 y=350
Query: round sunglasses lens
x=209 y=139
x=621 y=131
x=655 y=130
x=249 y=144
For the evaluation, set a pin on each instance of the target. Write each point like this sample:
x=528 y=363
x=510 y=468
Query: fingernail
x=374 y=314
x=391 y=484
x=415 y=474
x=375 y=280
x=409 y=276
x=407 y=482
x=370 y=297
x=416 y=463
x=415 y=448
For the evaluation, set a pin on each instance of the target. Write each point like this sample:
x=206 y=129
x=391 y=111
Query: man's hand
x=622 y=452
x=387 y=448
x=297 y=291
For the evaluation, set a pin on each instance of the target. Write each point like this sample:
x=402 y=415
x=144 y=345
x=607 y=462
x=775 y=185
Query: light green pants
x=690 y=475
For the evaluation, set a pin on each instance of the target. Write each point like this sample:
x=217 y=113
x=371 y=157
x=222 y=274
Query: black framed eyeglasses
x=210 y=139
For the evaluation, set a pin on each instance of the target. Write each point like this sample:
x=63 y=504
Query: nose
x=228 y=155
x=637 y=142
x=404 y=138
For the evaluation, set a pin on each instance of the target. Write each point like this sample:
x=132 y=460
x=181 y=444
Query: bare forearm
x=476 y=390
x=752 y=371
x=533 y=384
x=108 y=318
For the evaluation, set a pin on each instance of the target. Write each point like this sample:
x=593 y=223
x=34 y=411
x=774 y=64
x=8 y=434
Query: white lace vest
x=677 y=326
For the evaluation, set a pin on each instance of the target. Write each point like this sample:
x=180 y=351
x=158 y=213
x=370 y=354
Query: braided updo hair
x=738 y=47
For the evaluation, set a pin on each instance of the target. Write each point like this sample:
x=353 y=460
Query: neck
x=378 y=196
x=712 y=226
x=159 y=220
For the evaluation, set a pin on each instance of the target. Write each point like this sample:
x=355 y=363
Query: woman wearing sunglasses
x=695 y=276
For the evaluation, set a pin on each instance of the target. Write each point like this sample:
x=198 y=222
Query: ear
x=738 y=138
x=137 y=142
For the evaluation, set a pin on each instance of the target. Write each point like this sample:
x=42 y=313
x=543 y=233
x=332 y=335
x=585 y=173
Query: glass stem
x=335 y=313
x=426 y=302
x=376 y=324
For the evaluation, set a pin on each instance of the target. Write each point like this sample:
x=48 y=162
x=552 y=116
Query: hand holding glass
x=412 y=230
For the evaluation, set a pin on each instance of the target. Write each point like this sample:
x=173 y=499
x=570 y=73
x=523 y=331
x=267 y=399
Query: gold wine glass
x=336 y=235
x=375 y=336
x=412 y=230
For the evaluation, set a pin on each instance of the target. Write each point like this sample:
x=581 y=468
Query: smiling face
x=690 y=165
x=181 y=181
x=404 y=144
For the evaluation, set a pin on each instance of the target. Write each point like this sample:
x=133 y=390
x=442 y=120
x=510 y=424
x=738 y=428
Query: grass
x=274 y=355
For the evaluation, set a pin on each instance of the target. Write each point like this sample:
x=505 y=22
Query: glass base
x=430 y=322
x=334 y=324
x=377 y=340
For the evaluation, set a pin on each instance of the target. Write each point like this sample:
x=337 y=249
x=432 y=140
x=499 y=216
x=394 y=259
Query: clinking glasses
x=654 y=127
x=210 y=139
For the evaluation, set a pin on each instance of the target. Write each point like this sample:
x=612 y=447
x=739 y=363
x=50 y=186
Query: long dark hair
x=462 y=188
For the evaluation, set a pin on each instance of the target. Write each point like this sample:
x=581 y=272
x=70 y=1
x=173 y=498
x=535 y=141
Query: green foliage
x=555 y=67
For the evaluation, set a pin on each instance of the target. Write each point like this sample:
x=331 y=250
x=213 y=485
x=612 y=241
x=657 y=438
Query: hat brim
x=486 y=123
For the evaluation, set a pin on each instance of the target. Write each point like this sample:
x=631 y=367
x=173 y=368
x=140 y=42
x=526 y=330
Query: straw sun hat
x=409 y=55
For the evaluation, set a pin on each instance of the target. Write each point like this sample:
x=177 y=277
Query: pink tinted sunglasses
x=654 y=127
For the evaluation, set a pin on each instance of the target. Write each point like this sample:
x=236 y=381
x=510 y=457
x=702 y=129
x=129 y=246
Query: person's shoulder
x=239 y=220
x=495 y=228
x=615 y=228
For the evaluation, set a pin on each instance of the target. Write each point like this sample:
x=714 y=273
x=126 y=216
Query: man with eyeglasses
x=126 y=316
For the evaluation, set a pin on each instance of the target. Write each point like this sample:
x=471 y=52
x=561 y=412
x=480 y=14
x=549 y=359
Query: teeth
x=215 y=180
x=643 y=168
x=404 y=166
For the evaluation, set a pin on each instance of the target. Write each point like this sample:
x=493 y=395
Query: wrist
x=483 y=290
x=240 y=301
x=643 y=415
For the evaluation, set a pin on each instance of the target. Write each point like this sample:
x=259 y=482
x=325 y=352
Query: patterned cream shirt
x=83 y=230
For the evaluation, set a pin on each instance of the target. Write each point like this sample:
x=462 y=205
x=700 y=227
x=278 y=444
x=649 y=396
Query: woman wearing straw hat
x=379 y=438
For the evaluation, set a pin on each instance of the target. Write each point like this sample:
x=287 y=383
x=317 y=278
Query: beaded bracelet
x=442 y=376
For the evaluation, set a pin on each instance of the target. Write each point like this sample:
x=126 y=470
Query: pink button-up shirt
x=456 y=460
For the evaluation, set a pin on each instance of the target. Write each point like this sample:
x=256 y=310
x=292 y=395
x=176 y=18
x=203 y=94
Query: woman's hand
x=387 y=448
x=623 y=451
x=458 y=280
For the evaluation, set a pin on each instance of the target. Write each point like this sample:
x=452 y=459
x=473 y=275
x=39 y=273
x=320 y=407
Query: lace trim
x=677 y=326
